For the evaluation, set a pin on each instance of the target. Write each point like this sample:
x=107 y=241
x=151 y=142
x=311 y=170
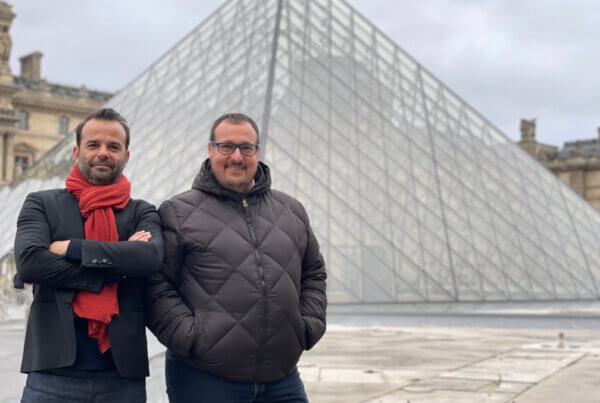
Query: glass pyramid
x=413 y=195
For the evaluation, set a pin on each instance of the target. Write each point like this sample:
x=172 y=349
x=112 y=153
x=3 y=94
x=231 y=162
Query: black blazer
x=54 y=215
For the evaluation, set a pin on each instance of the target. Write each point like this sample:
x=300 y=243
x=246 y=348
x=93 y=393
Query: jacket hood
x=205 y=181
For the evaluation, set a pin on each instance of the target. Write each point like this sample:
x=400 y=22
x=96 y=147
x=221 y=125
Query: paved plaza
x=453 y=365
x=411 y=364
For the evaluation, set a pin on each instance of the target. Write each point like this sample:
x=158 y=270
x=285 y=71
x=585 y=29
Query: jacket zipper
x=263 y=285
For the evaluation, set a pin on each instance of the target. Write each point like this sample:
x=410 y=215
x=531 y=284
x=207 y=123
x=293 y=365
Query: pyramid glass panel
x=413 y=195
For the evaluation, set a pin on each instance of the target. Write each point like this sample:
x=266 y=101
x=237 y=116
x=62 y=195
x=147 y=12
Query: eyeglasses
x=229 y=148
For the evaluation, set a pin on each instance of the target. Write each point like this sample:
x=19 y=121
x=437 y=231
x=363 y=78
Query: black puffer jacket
x=241 y=292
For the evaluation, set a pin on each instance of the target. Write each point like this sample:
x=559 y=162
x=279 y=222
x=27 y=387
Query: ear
x=127 y=157
x=209 y=148
x=75 y=153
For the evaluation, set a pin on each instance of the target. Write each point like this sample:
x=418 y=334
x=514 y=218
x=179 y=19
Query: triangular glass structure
x=414 y=195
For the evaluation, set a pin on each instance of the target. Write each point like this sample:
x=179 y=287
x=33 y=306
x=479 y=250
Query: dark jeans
x=186 y=384
x=94 y=387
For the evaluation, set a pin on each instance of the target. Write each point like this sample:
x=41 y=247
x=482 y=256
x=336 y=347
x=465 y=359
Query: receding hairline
x=123 y=131
x=237 y=123
x=234 y=118
x=106 y=114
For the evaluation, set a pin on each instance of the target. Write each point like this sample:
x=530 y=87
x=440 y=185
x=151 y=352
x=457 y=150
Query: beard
x=238 y=184
x=101 y=178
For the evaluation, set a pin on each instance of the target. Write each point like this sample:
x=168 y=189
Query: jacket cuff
x=74 y=250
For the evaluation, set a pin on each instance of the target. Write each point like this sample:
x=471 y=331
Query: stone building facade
x=34 y=113
x=577 y=164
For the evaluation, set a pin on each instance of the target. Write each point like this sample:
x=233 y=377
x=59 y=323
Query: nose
x=237 y=155
x=102 y=152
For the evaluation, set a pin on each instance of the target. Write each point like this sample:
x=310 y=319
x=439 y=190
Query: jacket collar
x=205 y=181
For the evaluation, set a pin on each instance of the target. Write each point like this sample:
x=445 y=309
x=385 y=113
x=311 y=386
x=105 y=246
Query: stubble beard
x=113 y=175
x=240 y=187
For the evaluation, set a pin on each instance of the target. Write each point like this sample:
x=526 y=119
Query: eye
x=248 y=149
x=227 y=148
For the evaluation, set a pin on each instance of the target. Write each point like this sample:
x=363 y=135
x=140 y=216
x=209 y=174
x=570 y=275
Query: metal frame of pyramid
x=413 y=195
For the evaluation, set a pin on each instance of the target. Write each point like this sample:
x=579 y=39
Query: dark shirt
x=88 y=356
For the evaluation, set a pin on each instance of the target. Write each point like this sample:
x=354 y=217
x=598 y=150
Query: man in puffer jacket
x=241 y=292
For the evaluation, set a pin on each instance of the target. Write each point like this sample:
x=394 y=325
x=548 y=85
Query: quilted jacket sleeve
x=313 y=300
x=167 y=316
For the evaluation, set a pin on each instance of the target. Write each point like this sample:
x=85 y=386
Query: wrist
x=59 y=247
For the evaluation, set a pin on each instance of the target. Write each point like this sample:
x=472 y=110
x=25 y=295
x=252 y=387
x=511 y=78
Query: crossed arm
x=42 y=261
x=61 y=247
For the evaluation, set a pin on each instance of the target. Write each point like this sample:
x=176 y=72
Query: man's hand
x=143 y=236
x=59 y=247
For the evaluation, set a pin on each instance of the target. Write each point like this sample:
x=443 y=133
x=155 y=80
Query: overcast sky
x=507 y=59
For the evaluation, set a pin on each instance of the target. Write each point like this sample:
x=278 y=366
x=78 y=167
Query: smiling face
x=101 y=155
x=235 y=171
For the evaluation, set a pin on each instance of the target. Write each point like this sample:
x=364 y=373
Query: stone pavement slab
x=351 y=375
x=530 y=367
x=579 y=383
x=470 y=385
x=437 y=396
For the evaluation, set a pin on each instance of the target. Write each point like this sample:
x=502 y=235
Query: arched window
x=24 y=155
x=22 y=162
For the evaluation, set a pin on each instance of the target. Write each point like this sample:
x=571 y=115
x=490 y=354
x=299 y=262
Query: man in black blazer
x=64 y=358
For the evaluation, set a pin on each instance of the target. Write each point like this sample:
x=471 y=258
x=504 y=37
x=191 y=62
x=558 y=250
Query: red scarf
x=96 y=204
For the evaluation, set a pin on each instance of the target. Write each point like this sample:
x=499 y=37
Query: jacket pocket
x=197 y=348
x=300 y=329
x=200 y=321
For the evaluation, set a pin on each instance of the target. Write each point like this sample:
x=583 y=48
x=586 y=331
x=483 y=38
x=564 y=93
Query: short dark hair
x=103 y=114
x=235 y=118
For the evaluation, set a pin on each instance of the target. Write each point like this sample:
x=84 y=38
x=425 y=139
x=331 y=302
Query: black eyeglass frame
x=218 y=145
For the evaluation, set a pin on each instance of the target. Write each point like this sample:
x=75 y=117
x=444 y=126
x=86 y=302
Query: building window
x=23 y=122
x=63 y=125
x=21 y=163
